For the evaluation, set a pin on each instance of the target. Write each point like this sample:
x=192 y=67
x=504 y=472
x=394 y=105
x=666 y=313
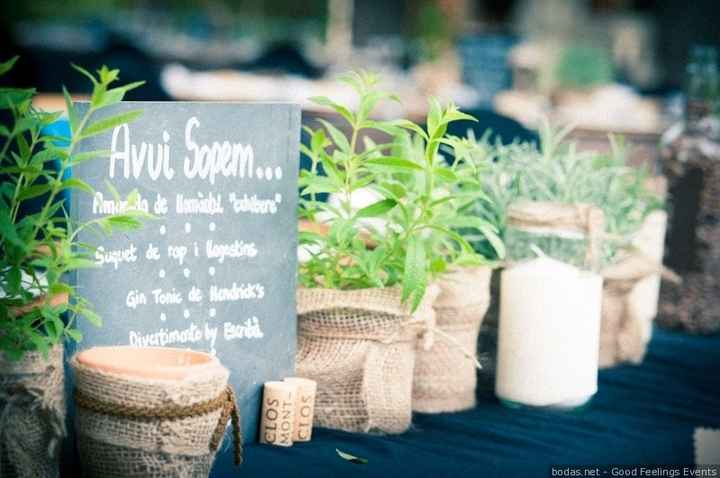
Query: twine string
x=225 y=401
x=428 y=331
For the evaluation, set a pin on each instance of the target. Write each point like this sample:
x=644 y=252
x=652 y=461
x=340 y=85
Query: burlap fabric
x=559 y=219
x=630 y=295
x=445 y=374
x=32 y=414
x=359 y=346
x=625 y=330
x=111 y=446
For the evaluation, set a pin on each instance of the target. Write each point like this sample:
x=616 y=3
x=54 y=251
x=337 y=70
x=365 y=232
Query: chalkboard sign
x=216 y=270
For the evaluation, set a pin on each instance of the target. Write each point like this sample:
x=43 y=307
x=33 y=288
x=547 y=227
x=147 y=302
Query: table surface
x=641 y=415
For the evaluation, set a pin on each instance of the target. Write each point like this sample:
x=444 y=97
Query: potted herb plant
x=636 y=221
x=38 y=309
x=366 y=288
x=633 y=234
x=445 y=374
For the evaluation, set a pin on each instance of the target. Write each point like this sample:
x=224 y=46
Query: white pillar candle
x=548 y=335
x=650 y=240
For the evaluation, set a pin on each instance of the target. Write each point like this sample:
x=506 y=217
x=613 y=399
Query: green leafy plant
x=556 y=171
x=40 y=248
x=412 y=181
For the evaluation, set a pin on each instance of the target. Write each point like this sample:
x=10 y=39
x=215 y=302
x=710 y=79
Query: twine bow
x=226 y=401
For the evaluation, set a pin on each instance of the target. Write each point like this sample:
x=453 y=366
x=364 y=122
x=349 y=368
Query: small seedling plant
x=413 y=183
x=39 y=246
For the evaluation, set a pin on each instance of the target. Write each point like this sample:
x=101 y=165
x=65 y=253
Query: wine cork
x=304 y=407
x=278 y=413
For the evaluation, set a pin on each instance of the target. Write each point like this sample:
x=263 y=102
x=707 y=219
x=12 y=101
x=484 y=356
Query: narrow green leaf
x=338 y=108
x=76 y=183
x=60 y=288
x=400 y=164
x=494 y=239
x=377 y=209
x=11 y=98
x=71 y=111
x=124 y=222
x=74 y=334
x=351 y=458
x=48 y=154
x=434 y=116
x=320 y=185
x=105 y=124
x=409 y=125
x=116 y=95
x=14 y=280
x=338 y=136
x=7 y=65
x=415 y=274
x=91 y=317
x=40 y=342
x=88 y=155
x=446 y=174
x=86 y=73
x=34 y=191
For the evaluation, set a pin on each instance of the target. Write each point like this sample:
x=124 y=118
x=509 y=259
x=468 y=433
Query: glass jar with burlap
x=445 y=372
x=166 y=418
x=359 y=346
x=32 y=414
x=570 y=233
x=550 y=305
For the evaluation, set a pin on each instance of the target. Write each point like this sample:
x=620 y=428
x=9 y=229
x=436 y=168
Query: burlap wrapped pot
x=445 y=373
x=32 y=414
x=128 y=425
x=359 y=346
x=630 y=296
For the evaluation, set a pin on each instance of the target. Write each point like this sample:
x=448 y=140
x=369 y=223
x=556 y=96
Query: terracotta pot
x=149 y=362
x=141 y=409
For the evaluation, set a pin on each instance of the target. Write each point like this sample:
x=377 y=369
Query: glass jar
x=550 y=306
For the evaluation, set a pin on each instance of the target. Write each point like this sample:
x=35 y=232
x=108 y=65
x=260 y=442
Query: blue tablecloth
x=641 y=415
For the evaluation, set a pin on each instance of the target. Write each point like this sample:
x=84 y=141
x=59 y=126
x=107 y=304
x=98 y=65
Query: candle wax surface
x=549 y=329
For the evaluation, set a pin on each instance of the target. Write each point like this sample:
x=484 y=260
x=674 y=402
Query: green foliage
x=414 y=185
x=38 y=250
x=557 y=172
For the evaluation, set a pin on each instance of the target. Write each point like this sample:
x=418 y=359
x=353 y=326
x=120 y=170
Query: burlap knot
x=625 y=332
x=359 y=346
x=554 y=218
x=32 y=414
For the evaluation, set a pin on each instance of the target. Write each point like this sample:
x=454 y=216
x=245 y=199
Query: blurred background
x=605 y=65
